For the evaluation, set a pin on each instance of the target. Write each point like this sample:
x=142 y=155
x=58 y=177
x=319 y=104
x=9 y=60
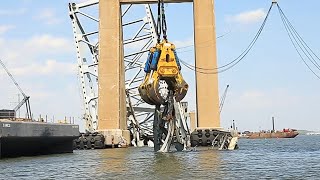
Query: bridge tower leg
x=207 y=94
x=112 y=103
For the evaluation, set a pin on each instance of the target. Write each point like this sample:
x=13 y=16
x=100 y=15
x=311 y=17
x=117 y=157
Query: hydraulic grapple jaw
x=162 y=75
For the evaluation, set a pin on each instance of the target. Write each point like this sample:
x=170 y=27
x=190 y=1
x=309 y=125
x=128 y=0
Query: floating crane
x=25 y=99
x=164 y=85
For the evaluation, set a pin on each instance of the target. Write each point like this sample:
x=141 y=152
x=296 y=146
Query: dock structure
x=112 y=105
x=19 y=138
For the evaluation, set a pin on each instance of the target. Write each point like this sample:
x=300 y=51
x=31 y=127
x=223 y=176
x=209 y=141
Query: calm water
x=297 y=158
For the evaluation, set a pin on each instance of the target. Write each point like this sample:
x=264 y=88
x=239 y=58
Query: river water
x=297 y=158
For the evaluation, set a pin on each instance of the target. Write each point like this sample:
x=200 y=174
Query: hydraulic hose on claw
x=162 y=75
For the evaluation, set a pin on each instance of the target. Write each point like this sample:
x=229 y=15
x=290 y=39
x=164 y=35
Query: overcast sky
x=36 y=44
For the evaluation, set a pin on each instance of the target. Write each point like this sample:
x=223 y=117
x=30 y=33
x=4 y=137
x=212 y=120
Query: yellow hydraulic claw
x=162 y=75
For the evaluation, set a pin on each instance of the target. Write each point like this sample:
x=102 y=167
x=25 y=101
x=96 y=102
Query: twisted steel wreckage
x=134 y=94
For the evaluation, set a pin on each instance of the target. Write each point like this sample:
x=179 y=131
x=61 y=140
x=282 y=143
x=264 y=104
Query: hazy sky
x=36 y=44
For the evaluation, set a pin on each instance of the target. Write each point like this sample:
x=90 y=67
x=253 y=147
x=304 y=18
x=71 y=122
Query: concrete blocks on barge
x=18 y=138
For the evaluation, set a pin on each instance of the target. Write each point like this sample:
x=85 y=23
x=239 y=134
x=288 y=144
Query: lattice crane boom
x=223 y=98
x=25 y=99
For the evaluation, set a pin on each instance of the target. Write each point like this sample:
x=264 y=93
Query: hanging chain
x=161 y=21
x=164 y=22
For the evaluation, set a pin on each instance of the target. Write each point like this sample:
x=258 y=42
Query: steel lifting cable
x=184 y=47
x=161 y=22
x=235 y=61
x=164 y=22
x=287 y=26
x=303 y=43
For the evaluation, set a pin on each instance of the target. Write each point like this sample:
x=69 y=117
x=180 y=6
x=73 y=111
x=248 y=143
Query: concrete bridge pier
x=112 y=104
x=207 y=94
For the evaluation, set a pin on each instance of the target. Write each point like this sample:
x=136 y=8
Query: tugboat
x=285 y=133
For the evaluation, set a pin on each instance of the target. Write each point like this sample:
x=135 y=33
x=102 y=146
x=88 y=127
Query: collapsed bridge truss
x=139 y=34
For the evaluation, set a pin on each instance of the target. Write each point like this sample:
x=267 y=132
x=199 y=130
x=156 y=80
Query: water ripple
x=256 y=159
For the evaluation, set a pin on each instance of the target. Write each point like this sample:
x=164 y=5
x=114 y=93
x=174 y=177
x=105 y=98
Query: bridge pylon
x=112 y=104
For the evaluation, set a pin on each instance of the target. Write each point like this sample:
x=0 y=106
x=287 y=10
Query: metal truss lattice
x=138 y=36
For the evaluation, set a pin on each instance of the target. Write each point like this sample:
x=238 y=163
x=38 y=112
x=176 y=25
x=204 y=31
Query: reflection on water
x=167 y=164
x=266 y=158
x=210 y=163
x=113 y=162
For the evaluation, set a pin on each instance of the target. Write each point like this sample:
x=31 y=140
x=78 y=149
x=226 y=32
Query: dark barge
x=28 y=138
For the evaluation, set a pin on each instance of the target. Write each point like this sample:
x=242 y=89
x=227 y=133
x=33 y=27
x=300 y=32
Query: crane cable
x=297 y=41
x=231 y=64
x=164 y=22
x=184 y=47
x=161 y=22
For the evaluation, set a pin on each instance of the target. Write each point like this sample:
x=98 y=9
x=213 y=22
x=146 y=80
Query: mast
x=273 y=124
